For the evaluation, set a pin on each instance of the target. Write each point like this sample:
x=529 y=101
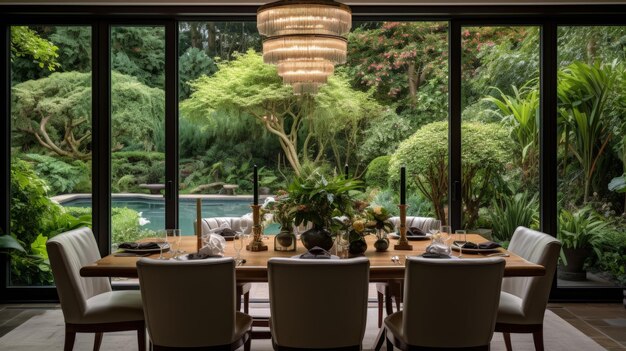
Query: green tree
x=25 y=42
x=248 y=88
x=425 y=154
x=406 y=65
x=139 y=52
x=191 y=65
x=55 y=113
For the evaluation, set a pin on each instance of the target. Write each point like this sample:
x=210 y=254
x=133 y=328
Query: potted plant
x=578 y=233
x=317 y=199
x=283 y=212
x=378 y=219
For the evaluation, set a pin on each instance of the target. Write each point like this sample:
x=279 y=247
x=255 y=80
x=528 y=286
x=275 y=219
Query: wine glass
x=238 y=245
x=446 y=234
x=244 y=224
x=174 y=237
x=461 y=239
x=435 y=227
x=161 y=241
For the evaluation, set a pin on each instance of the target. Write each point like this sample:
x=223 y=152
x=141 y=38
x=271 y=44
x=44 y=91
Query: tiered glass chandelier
x=305 y=39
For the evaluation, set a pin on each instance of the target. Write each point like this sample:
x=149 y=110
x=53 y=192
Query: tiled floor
x=604 y=323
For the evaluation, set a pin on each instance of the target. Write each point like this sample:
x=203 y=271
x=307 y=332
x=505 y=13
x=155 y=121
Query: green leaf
x=618 y=184
x=8 y=242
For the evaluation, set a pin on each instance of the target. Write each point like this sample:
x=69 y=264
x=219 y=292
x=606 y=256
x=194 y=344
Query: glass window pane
x=591 y=156
x=50 y=142
x=137 y=132
x=500 y=130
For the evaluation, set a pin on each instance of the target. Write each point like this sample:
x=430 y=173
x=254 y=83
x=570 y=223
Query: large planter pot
x=574 y=270
x=317 y=237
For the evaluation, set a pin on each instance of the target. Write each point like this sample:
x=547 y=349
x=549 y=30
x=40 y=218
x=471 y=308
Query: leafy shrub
x=61 y=177
x=383 y=135
x=581 y=228
x=34 y=219
x=125 y=226
x=144 y=167
x=377 y=172
x=511 y=212
x=485 y=152
x=611 y=252
x=192 y=64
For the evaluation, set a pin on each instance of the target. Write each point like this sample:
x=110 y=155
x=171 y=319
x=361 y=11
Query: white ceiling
x=357 y=2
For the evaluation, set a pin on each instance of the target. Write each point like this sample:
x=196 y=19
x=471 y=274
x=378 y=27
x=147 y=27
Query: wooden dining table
x=382 y=267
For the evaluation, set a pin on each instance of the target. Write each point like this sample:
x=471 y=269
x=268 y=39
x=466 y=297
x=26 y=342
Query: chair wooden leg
x=507 y=341
x=141 y=338
x=388 y=304
x=70 y=337
x=398 y=301
x=538 y=340
x=380 y=309
x=389 y=344
x=238 y=302
x=247 y=344
x=97 y=342
x=246 y=302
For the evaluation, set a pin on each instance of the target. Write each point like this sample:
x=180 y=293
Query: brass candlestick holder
x=403 y=242
x=198 y=224
x=257 y=231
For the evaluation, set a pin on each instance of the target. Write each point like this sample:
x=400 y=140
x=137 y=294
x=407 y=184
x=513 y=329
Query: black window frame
x=101 y=18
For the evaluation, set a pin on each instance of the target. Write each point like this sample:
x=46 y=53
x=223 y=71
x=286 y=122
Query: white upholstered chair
x=318 y=304
x=88 y=304
x=234 y=223
x=448 y=304
x=191 y=305
x=523 y=299
x=392 y=290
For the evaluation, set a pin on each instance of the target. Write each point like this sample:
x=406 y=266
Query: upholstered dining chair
x=523 y=299
x=88 y=304
x=318 y=304
x=448 y=304
x=390 y=291
x=234 y=223
x=191 y=305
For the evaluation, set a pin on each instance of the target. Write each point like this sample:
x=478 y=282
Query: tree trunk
x=412 y=80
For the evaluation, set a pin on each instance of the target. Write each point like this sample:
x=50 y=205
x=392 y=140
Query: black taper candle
x=255 y=184
x=345 y=171
x=402 y=185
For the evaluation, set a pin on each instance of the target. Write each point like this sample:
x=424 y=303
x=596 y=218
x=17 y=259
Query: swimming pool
x=153 y=210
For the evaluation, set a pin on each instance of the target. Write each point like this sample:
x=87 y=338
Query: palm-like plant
x=583 y=92
x=521 y=114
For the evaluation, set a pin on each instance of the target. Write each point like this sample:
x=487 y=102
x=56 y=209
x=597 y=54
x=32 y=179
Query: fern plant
x=512 y=212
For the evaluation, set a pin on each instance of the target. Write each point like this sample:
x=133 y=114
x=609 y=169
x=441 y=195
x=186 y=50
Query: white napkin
x=213 y=245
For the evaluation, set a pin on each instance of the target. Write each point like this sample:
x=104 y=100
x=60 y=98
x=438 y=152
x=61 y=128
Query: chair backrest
x=451 y=303
x=423 y=223
x=188 y=303
x=68 y=252
x=211 y=223
x=539 y=248
x=318 y=303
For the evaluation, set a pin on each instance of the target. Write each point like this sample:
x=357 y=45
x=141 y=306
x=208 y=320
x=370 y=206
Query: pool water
x=153 y=210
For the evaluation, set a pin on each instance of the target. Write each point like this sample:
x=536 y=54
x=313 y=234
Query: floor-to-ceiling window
x=50 y=142
x=500 y=130
x=385 y=107
x=137 y=59
x=591 y=153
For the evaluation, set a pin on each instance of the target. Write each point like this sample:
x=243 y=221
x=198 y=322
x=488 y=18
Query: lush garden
x=386 y=107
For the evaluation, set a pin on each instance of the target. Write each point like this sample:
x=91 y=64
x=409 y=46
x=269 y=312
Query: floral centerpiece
x=282 y=211
x=367 y=220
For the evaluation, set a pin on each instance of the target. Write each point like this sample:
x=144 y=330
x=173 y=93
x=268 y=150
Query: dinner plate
x=456 y=247
x=411 y=237
x=139 y=251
